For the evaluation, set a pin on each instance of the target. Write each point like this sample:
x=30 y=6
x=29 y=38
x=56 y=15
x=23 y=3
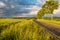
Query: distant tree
x=48 y=7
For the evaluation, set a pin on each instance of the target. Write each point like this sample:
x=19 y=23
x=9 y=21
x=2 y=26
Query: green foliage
x=48 y=7
x=40 y=13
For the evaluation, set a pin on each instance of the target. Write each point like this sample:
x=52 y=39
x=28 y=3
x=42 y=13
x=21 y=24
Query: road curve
x=52 y=29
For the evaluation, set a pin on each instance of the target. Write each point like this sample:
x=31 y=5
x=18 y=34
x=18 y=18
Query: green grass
x=55 y=18
x=24 y=30
x=50 y=21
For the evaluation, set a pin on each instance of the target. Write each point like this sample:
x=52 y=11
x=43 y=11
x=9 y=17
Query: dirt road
x=52 y=29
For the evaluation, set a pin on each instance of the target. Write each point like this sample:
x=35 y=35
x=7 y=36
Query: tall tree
x=48 y=7
x=40 y=13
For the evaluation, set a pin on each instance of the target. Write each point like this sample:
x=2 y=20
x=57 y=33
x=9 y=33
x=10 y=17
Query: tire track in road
x=52 y=29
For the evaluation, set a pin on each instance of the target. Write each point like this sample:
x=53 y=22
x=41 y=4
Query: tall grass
x=24 y=30
x=50 y=21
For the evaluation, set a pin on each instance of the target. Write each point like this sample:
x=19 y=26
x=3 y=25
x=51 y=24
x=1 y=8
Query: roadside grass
x=50 y=21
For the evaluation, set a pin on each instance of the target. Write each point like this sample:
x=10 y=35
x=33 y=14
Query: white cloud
x=40 y=1
x=12 y=6
x=2 y=4
x=34 y=10
x=57 y=11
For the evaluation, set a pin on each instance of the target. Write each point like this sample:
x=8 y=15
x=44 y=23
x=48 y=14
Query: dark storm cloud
x=16 y=11
x=17 y=7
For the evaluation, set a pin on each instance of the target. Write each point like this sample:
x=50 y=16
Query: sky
x=22 y=8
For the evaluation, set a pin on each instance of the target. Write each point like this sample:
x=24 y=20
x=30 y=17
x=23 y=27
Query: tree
x=40 y=13
x=48 y=7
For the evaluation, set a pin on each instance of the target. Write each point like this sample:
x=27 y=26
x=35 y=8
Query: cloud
x=57 y=12
x=21 y=7
x=32 y=12
x=12 y=6
x=2 y=4
x=40 y=1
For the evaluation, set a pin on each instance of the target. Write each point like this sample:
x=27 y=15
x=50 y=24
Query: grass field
x=54 y=18
x=54 y=21
x=22 y=29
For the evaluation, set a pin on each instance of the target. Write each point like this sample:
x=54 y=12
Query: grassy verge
x=50 y=21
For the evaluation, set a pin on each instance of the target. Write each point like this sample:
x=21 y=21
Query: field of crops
x=54 y=21
x=54 y=18
x=22 y=29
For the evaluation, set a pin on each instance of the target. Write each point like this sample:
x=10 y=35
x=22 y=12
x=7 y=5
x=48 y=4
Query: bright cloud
x=34 y=10
x=2 y=4
x=12 y=6
x=57 y=11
